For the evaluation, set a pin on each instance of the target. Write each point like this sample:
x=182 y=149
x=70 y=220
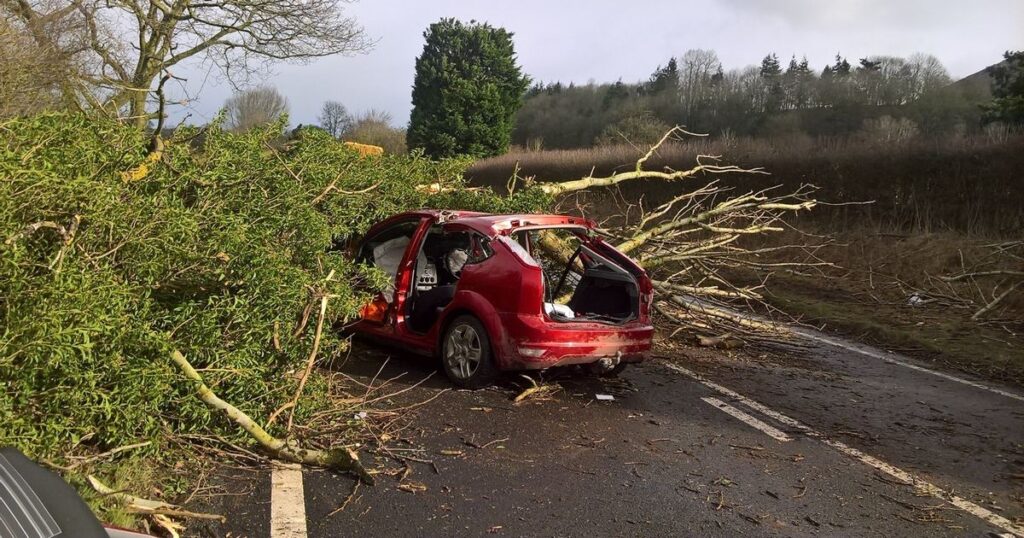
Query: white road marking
x=767 y=429
x=287 y=502
x=895 y=472
x=813 y=335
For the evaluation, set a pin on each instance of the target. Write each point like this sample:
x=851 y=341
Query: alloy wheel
x=462 y=351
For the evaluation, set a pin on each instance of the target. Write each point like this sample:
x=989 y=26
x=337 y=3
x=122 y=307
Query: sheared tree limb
x=640 y=173
x=341 y=459
x=713 y=291
x=704 y=309
x=692 y=243
x=981 y=274
x=992 y=304
x=324 y=296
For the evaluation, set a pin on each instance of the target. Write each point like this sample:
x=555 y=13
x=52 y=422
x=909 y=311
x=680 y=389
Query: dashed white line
x=753 y=422
x=287 y=502
x=813 y=335
x=895 y=472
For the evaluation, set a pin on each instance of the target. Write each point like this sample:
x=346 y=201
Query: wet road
x=823 y=443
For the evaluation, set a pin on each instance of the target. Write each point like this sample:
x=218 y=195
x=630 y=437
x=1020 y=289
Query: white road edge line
x=765 y=428
x=895 y=472
x=287 y=502
x=891 y=360
x=817 y=336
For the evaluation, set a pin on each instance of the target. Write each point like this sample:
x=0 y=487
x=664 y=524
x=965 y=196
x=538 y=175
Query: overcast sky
x=603 y=40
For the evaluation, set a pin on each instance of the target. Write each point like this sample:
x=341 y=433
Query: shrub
x=641 y=129
x=887 y=130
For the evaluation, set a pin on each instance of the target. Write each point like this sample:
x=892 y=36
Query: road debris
x=487 y=444
x=412 y=487
x=535 y=390
x=348 y=499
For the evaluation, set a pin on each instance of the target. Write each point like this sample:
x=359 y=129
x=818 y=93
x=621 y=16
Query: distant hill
x=978 y=86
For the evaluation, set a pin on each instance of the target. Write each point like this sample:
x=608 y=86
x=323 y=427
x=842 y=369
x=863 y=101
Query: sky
x=604 y=40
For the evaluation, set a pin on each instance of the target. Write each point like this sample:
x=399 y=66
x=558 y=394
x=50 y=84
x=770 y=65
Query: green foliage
x=1007 y=105
x=466 y=91
x=218 y=244
x=664 y=79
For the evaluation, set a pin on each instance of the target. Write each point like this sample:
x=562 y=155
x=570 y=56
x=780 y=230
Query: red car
x=488 y=293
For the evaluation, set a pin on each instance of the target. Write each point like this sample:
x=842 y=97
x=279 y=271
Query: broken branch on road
x=340 y=459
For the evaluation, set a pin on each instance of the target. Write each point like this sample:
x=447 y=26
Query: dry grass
x=868 y=296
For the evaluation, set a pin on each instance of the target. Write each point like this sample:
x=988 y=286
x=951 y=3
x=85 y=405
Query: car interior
x=386 y=249
x=438 y=268
x=584 y=287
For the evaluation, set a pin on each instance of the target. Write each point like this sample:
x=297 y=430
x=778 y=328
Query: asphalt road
x=825 y=442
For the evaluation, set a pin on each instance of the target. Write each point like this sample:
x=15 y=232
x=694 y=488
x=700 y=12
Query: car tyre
x=466 y=356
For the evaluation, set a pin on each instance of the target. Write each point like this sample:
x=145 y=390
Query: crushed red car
x=487 y=293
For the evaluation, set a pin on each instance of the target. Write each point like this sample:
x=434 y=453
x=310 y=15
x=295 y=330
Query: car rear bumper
x=533 y=342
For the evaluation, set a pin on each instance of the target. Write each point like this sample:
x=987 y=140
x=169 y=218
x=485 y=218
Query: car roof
x=491 y=224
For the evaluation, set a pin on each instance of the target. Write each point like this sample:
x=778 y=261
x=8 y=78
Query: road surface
x=826 y=442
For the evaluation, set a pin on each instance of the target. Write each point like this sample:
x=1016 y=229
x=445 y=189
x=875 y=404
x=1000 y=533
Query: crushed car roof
x=490 y=224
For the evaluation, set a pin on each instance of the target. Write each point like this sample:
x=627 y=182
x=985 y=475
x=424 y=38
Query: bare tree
x=334 y=118
x=28 y=81
x=251 y=108
x=696 y=68
x=374 y=127
x=38 y=63
x=129 y=43
x=927 y=74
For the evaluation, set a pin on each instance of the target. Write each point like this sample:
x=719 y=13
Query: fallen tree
x=221 y=247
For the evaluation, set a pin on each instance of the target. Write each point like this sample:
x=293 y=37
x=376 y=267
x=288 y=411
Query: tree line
x=773 y=98
x=470 y=95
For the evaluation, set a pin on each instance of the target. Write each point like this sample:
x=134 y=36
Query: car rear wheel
x=466 y=354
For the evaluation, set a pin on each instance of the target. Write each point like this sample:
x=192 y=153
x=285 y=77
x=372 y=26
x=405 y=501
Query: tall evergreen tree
x=664 y=79
x=770 y=66
x=867 y=64
x=771 y=71
x=467 y=90
x=802 y=84
x=1007 y=90
x=841 y=67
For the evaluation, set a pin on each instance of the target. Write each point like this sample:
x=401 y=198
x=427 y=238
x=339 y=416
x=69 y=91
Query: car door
x=391 y=248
